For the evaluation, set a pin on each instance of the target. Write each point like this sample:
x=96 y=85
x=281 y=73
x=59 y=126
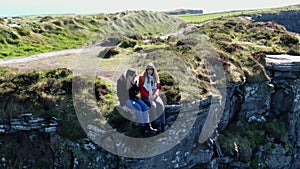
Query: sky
x=38 y=7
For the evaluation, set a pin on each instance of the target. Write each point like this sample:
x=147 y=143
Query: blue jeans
x=142 y=110
x=139 y=105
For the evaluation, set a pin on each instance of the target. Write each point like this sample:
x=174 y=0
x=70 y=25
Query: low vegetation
x=44 y=94
x=23 y=36
x=243 y=44
x=241 y=140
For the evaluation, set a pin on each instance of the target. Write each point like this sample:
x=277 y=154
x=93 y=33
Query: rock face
x=289 y=19
x=286 y=98
x=33 y=142
x=48 y=150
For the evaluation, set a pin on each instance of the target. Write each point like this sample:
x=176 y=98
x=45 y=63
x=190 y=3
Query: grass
x=199 y=18
x=196 y=18
x=32 y=35
x=245 y=44
x=46 y=94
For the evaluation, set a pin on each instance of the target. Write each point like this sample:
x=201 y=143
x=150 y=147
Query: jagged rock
x=257 y=98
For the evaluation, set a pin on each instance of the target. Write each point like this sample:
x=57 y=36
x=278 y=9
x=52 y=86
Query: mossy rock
x=128 y=43
x=108 y=52
x=112 y=41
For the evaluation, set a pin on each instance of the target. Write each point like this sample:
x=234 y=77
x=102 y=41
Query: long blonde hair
x=129 y=75
x=155 y=74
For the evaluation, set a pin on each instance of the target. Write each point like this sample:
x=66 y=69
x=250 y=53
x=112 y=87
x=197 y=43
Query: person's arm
x=131 y=94
x=156 y=91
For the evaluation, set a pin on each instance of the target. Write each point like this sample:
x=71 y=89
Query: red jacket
x=144 y=92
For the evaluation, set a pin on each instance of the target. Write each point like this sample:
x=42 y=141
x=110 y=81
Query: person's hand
x=153 y=97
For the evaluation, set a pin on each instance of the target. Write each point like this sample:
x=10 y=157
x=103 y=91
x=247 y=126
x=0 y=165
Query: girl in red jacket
x=149 y=88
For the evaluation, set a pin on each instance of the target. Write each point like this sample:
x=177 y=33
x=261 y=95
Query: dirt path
x=80 y=61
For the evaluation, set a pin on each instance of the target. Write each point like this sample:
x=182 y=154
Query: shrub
x=13 y=35
x=139 y=48
x=294 y=50
x=26 y=79
x=170 y=88
x=101 y=90
x=230 y=48
x=289 y=40
x=22 y=31
x=230 y=24
x=46 y=19
x=57 y=73
x=57 y=23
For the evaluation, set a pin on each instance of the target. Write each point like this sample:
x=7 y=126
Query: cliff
x=269 y=109
x=287 y=18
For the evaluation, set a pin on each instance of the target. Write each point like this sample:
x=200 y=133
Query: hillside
x=235 y=43
x=23 y=36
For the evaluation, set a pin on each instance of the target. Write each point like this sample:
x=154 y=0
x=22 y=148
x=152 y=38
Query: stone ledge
x=284 y=63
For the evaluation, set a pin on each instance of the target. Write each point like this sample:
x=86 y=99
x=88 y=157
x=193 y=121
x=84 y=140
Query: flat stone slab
x=285 y=63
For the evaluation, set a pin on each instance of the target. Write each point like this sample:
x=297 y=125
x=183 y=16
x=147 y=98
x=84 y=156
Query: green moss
x=47 y=94
x=264 y=89
x=248 y=136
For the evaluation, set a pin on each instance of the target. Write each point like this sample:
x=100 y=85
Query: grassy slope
x=31 y=35
x=49 y=93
